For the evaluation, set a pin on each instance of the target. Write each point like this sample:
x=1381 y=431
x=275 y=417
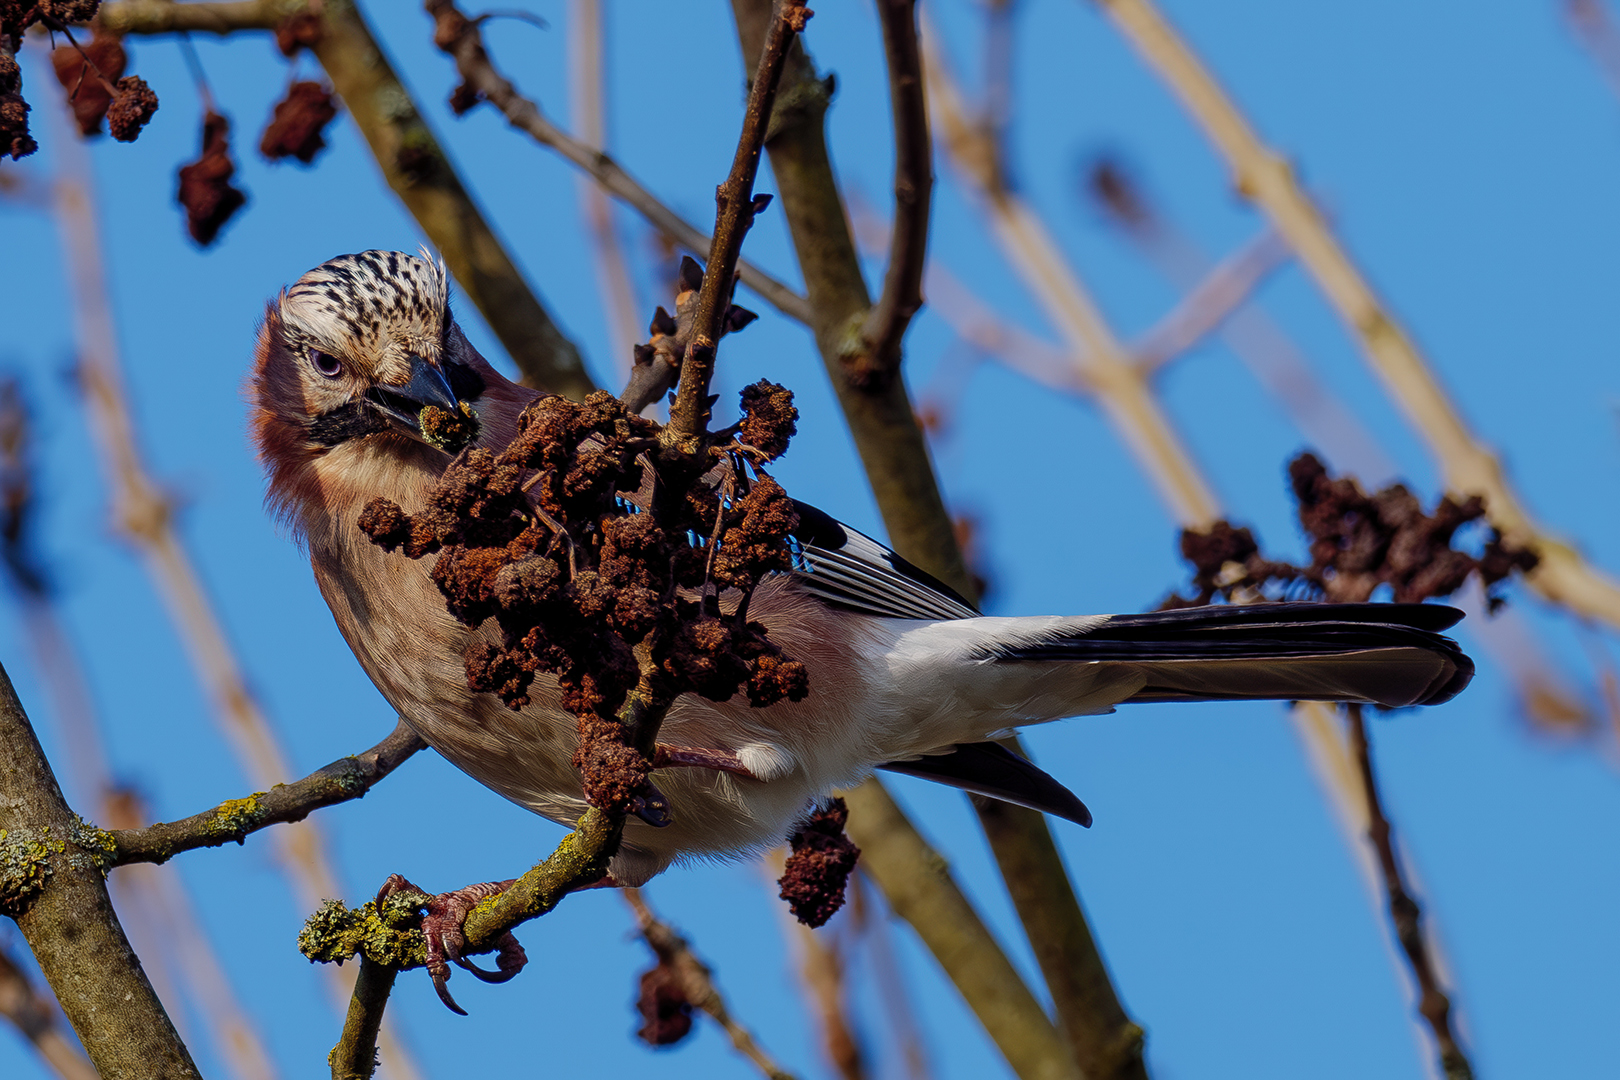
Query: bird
x=905 y=674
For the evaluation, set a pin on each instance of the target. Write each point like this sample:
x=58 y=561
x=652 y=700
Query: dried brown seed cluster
x=666 y=1013
x=14 y=137
x=817 y=872
x=448 y=431
x=205 y=184
x=87 y=77
x=769 y=419
x=297 y=126
x=543 y=538
x=132 y=108
x=301 y=30
x=1358 y=543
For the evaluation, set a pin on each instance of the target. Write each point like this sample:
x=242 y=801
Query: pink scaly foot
x=442 y=920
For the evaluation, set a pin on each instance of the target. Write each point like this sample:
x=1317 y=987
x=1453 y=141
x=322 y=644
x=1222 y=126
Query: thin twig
x=34 y=1016
x=587 y=92
x=821 y=955
x=1468 y=466
x=697 y=983
x=886 y=323
x=895 y=996
x=412 y=162
x=1405 y=914
x=876 y=406
x=233 y=821
x=736 y=207
x=463 y=40
x=1222 y=292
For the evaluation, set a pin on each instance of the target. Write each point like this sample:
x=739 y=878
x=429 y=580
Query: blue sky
x=1469 y=156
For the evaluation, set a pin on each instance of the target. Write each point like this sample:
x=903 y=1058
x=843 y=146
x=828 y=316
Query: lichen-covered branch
x=1404 y=912
x=34 y=1017
x=919 y=888
x=697 y=984
x=462 y=39
x=233 y=821
x=1469 y=466
x=689 y=415
x=901 y=298
x=355 y=1055
x=412 y=162
x=51 y=883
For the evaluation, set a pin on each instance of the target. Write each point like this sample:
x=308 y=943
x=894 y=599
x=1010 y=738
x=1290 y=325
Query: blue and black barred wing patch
x=850 y=570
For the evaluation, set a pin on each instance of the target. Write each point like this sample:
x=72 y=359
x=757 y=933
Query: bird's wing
x=991 y=769
x=849 y=570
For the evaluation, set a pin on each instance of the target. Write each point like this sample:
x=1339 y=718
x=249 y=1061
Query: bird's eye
x=325 y=363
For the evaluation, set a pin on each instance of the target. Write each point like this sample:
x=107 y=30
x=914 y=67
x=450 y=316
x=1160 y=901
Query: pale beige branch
x=1468 y=466
x=1545 y=692
x=35 y=1017
x=144 y=514
x=697 y=982
x=1143 y=425
x=1209 y=303
x=1121 y=389
x=894 y=996
x=587 y=96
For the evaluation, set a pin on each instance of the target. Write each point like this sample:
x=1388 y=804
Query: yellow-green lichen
x=25 y=865
x=336 y=933
x=235 y=818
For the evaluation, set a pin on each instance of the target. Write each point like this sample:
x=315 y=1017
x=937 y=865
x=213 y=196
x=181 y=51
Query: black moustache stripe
x=358 y=418
x=345 y=422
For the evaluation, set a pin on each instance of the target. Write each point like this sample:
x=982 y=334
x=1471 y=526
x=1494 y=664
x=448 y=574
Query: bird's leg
x=442 y=919
x=666 y=756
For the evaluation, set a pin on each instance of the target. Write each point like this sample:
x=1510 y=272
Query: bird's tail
x=1385 y=654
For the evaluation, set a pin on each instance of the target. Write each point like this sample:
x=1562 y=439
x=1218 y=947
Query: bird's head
x=348 y=358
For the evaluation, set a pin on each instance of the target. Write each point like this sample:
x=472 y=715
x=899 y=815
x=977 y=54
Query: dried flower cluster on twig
x=1359 y=542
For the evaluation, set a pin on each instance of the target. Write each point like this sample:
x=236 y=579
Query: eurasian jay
x=904 y=674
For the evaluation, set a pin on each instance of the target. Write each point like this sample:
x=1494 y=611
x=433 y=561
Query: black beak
x=403 y=405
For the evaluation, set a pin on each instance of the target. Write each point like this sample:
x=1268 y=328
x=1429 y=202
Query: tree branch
x=1106 y=1043
x=875 y=403
x=341 y=781
x=1219 y=295
x=689 y=415
x=1468 y=466
x=886 y=322
x=462 y=38
x=412 y=162
x=920 y=889
x=51 y=882
x=697 y=983
x=355 y=1055
x=1404 y=913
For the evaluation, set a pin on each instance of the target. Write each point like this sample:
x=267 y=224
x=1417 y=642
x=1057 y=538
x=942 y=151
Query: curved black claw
x=443 y=917
x=509 y=962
